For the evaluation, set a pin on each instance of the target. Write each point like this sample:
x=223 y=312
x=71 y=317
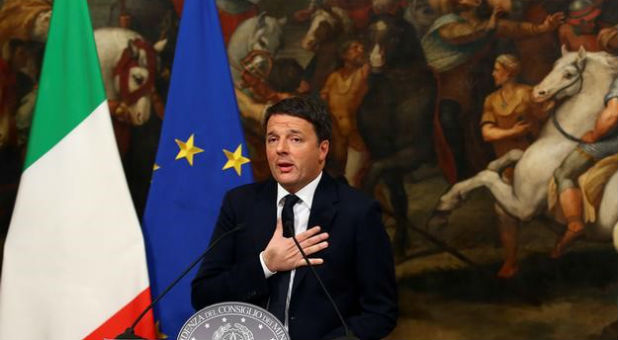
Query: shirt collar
x=305 y=194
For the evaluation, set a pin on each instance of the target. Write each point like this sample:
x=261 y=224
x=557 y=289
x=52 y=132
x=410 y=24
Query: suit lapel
x=265 y=214
x=323 y=211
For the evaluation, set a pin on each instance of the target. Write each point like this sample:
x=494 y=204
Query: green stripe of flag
x=71 y=86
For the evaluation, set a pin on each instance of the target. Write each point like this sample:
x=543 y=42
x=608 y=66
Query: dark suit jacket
x=358 y=267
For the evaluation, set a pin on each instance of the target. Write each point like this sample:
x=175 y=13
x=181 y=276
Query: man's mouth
x=285 y=166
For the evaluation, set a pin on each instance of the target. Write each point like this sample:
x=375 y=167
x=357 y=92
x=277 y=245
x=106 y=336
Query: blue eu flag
x=201 y=155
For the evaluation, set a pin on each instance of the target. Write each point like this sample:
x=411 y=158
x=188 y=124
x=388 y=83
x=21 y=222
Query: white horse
x=581 y=79
x=111 y=42
x=261 y=33
x=133 y=83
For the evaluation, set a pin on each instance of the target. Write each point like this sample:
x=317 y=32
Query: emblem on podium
x=233 y=321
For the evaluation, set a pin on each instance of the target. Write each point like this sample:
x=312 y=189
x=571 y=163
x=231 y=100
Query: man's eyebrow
x=291 y=131
x=296 y=131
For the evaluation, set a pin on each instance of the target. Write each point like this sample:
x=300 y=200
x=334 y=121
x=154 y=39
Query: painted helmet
x=583 y=13
x=583 y=9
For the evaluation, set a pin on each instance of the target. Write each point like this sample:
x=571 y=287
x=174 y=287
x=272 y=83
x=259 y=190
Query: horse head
x=134 y=78
x=266 y=35
x=421 y=15
x=326 y=23
x=254 y=43
x=393 y=43
x=261 y=33
x=572 y=71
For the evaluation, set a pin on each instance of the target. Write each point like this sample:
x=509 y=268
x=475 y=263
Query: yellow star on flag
x=160 y=334
x=187 y=150
x=235 y=159
x=155 y=167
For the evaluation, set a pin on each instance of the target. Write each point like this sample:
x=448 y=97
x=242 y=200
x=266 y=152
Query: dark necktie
x=281 y=280
x=287 y=215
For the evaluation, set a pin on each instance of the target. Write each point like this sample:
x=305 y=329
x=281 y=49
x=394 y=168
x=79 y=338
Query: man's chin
x=286 y=178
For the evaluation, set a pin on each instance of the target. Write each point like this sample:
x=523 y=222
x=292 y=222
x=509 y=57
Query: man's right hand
x=521 y=127
x=552 y=22
x=281 y=254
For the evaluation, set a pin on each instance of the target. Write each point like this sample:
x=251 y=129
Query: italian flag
x=74 y=259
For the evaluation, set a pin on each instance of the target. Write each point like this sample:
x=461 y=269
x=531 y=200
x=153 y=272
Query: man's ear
x=324 y=146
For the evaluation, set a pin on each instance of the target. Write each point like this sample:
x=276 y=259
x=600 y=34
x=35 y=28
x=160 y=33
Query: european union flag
x=201 y=155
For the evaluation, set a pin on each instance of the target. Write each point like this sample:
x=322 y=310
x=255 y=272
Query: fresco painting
x=486 y=129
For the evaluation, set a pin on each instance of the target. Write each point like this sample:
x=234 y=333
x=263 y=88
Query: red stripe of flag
x=123 y=319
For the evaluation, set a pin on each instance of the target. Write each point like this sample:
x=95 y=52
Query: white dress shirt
x=302 y=209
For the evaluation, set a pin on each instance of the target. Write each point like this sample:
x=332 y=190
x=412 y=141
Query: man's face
x=355 y=53
x=501 y=74
x=586 y=27
x=294 y=154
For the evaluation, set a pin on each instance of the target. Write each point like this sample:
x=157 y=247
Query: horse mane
x=579 y=110
x=605 y=59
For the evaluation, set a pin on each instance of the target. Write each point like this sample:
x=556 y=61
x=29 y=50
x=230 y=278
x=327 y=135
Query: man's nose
x=282 y=146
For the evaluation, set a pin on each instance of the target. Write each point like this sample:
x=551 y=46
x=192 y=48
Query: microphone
x=129 y=333
x=348 y=333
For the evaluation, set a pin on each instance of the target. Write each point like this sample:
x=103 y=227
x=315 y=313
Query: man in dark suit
x=340 y=227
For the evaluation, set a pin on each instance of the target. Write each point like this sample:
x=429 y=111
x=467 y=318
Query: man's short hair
x=343 y=48
x=310 y=109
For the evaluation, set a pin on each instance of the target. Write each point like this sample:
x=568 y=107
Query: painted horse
x=395 y=118
x=128 y=66
x=328 y=27
x=261 y=33
x=580 y=80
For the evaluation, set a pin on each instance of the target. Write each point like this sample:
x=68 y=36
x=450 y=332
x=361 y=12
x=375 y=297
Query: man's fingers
x=314 y=239
x=313 y=262
x=315 y=248
x=306 y=234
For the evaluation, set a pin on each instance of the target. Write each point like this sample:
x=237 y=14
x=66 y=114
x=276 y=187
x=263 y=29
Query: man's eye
x=568 y=76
